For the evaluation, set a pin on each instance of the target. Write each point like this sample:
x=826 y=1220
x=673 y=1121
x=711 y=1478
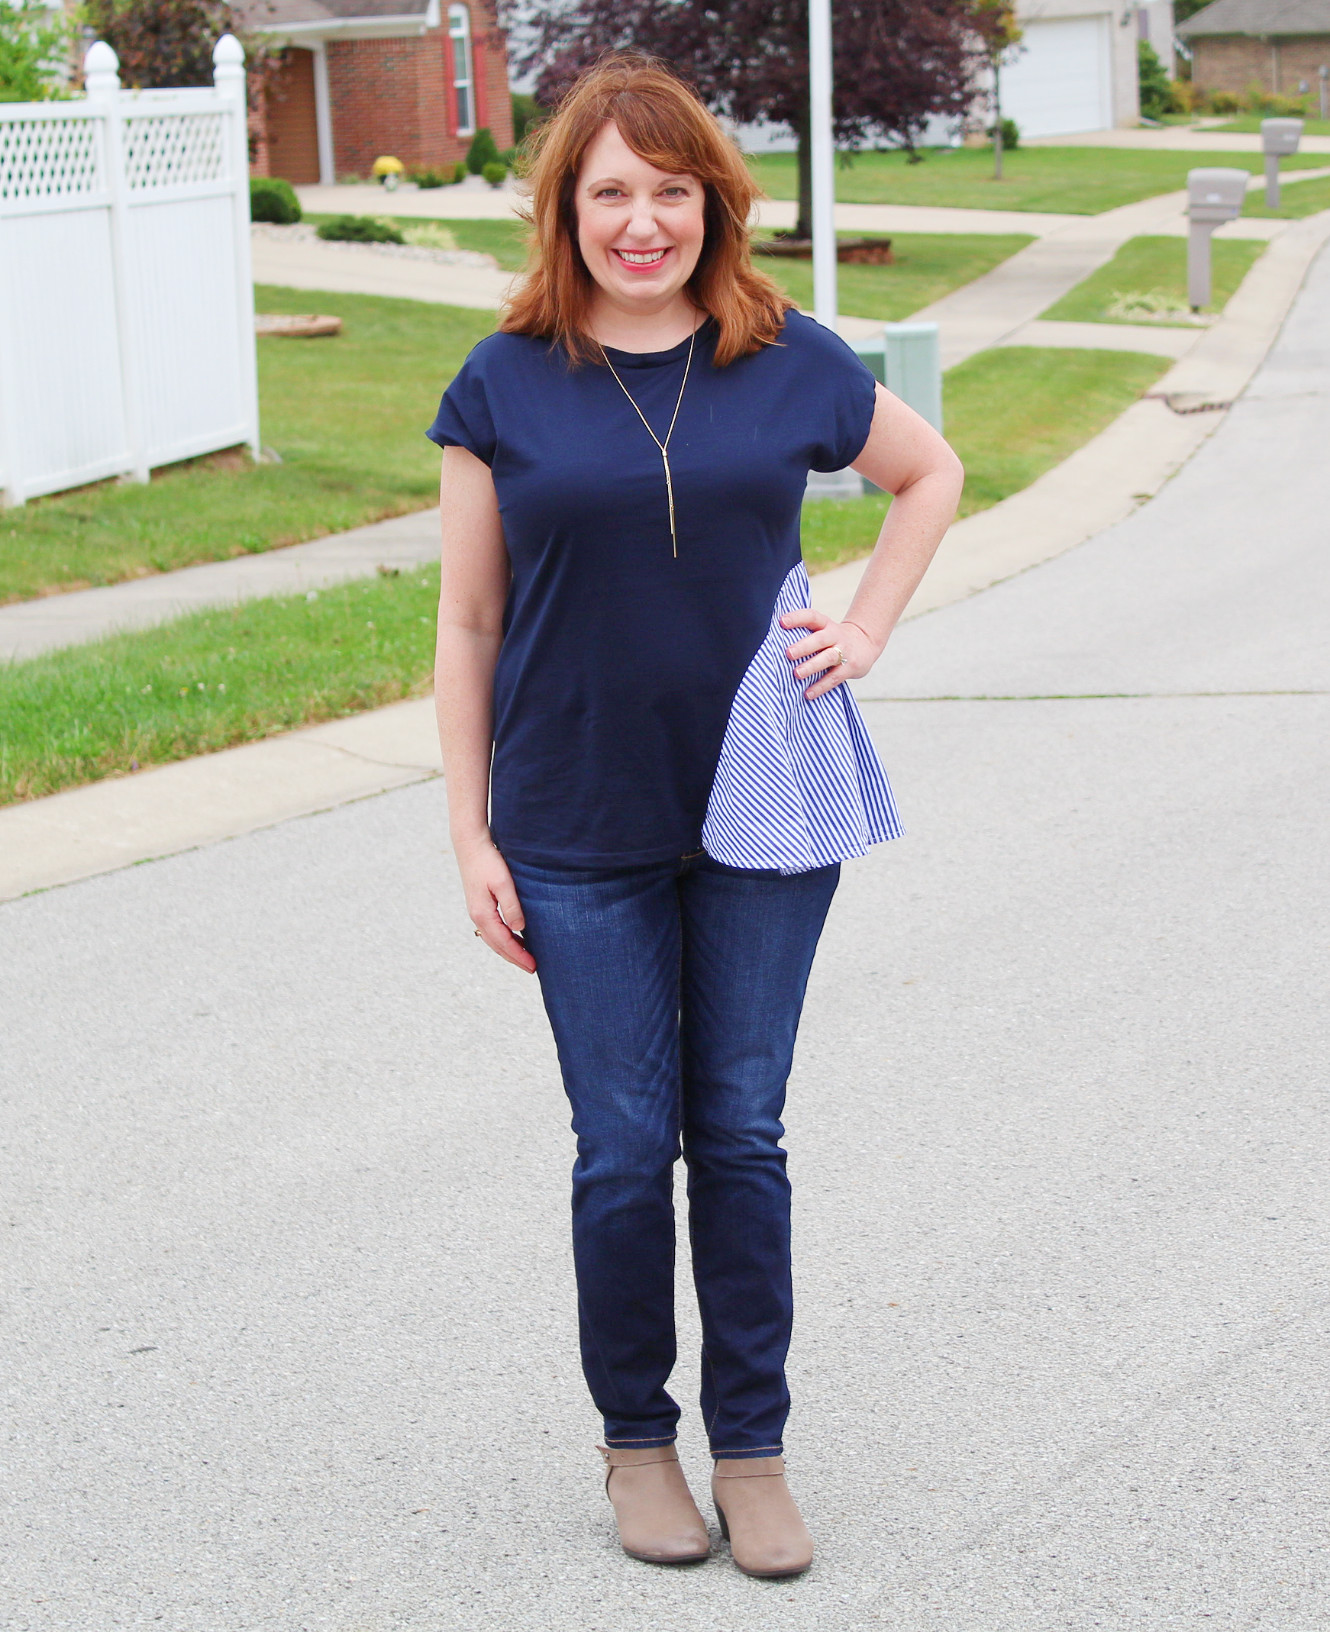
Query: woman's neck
x=645 y=331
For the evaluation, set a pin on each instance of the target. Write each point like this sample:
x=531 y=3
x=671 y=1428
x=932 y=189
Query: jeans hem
x=749 y=1453
x=640 y=1443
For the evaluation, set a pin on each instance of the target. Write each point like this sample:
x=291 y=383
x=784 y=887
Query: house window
x=459 y=31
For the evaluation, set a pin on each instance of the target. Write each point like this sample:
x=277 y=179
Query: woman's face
x=640 y=229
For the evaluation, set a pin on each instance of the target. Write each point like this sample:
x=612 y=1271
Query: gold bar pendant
x=669 y=491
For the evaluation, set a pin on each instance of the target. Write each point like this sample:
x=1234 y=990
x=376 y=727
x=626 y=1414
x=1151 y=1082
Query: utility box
x=1279 y=138
x=1213 y=197
x=914 y=368
x=906 y=358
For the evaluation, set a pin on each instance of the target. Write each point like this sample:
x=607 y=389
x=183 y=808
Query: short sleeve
x=845 y=397
x=464 y=419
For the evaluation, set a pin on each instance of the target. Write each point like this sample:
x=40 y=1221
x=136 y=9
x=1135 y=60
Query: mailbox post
x=1279 y=137
x=1213 y=197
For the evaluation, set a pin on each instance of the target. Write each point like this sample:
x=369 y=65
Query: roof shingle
x=1262 y=18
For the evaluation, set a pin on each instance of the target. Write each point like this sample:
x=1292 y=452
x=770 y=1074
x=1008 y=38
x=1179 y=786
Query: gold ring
x=840 y=653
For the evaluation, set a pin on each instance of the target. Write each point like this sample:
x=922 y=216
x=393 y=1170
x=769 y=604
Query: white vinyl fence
x=126 y=298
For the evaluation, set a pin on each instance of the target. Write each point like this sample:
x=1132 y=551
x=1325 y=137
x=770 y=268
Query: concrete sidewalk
x=1172 y=139
x=291 y=1320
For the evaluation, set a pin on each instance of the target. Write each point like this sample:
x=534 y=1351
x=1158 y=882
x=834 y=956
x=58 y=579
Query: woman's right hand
x=491 y=900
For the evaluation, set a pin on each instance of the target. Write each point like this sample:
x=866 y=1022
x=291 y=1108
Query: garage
x=1059 y=82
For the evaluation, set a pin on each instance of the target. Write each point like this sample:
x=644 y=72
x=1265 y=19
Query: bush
x=1272 y=106
x=430 y=178
x=1011 y=135
x=272 y=199
x=360 y=229
x=526 y=113
x=1223 y=102
x=495 y=174
x=1186 y=97
x=1156 y=92
x=483 y=150
x=460 y=172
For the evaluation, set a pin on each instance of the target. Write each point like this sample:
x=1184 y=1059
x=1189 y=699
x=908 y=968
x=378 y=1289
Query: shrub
x=430 y=178
x=1223 y=102
x=460 y=172
x=272 y=199
x=1011 y=135
x=495 y=173
x=483 y=150
x=360 y=229
x=1156 y=93
x=526 y=113
x=1186 y=97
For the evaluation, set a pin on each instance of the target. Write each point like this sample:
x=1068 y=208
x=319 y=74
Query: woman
x=652 y=776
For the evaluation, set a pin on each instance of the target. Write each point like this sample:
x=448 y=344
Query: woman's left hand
x=818 y=655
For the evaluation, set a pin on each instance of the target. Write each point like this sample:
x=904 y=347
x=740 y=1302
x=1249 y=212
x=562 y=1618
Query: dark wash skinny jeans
x=674 y=992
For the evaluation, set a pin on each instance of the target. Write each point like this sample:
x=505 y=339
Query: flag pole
x=823 y=162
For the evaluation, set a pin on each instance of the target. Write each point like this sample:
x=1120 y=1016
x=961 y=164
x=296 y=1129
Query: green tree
x=34 y=51
x=526 y=112
x=1156 y=92
x=1001 y=34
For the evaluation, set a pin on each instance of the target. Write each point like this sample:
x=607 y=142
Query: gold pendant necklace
x=665 y=445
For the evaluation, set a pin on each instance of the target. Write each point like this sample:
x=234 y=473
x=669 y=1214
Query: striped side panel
x=798 y=783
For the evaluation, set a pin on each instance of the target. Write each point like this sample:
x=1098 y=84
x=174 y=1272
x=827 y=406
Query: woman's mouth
x=641 y=260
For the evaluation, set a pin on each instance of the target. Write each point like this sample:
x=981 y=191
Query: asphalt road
x=289 y=1337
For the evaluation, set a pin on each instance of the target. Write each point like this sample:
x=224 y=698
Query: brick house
x=361 y=78
x=1279 y=45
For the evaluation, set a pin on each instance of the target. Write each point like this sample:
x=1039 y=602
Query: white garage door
x=1059 y=83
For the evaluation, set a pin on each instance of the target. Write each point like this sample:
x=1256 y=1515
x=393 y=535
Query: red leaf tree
x=895 y=62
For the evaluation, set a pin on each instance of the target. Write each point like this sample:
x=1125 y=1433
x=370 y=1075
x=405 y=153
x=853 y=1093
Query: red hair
x=665 y=123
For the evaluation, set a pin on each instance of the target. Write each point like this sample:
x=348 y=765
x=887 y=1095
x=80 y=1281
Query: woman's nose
x=643 y=221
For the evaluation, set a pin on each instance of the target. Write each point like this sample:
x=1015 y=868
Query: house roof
x=1262 y=18
x=276 y=14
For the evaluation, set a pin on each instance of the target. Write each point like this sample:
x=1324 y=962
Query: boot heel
x=723 y=1522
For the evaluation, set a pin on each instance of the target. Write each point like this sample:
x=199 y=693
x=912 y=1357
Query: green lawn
x=928 y=265
x=1011 y=414
x=218 y=678
x=347 y=415
x=1302 y=198
x=211 y=680
x=1074 y=180
x=1014 y=412
x=1249 y=124
x=1154 y=267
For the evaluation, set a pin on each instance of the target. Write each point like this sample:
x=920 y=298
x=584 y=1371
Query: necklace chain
x=665 y=445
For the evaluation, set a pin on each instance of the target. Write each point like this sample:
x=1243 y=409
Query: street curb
x=172 y=808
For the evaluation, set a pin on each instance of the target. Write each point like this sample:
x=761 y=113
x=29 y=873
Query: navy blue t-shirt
x=619 y=662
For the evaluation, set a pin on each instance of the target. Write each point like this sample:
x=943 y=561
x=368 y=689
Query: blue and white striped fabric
x=798 y=784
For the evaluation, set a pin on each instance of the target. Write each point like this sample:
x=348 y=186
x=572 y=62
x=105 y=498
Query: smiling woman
x=654 y=766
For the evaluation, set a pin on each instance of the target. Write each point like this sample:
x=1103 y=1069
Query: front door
x=293 y=131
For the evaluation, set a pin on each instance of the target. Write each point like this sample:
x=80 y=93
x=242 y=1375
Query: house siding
x=1234 y=62
x=395 y=96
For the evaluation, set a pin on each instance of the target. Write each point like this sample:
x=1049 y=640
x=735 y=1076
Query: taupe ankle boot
x=658 y=1518
x=758 y=1517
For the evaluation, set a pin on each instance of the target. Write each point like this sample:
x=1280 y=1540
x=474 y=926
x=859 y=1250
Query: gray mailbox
x=1279 y=138
x=1213 y=197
